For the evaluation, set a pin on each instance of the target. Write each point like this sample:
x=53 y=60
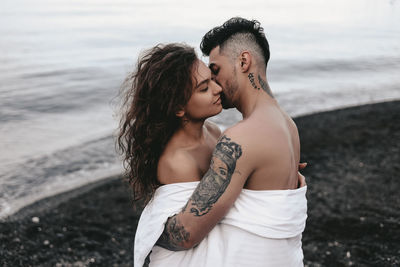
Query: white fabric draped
x=263 y=228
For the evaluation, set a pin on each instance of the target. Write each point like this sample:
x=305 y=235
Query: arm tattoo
x=217 y=178
x=174 y=235
x=209 y=190
x=264 y=86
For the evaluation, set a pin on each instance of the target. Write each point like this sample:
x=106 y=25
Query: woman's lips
x=218 y=101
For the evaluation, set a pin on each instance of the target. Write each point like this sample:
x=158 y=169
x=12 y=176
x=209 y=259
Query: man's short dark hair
x=234 y=27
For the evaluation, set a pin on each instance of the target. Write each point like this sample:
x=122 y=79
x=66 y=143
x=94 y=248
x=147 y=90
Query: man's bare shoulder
x=246 y=130
x=240 y=135
x=257 y=141
x=177 y=166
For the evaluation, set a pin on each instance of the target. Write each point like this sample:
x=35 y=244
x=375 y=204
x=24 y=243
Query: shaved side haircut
x=235 y=36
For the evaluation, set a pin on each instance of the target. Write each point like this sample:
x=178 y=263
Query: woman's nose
x=217 y=88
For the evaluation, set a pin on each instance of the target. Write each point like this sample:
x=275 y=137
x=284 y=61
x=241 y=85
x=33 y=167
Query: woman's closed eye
x=204 y=89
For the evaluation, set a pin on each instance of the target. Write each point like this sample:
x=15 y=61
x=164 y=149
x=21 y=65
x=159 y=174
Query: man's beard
x=225 y=103
x=230 y=88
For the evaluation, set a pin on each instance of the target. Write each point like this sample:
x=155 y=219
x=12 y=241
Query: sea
x=62 y=63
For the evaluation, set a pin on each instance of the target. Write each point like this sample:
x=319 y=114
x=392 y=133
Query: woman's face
x=206 y=96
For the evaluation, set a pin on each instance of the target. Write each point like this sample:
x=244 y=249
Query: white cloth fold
x=263 y=228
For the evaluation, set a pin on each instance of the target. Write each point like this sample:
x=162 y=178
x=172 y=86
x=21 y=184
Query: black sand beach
x=353 y=202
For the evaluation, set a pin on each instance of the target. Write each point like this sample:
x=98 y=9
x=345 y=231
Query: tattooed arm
x=212 y=198
x=174 y=236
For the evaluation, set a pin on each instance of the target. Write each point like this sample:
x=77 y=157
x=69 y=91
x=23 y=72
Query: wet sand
x=353 y=215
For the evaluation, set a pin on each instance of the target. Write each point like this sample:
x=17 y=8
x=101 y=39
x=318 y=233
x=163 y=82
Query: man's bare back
x=275 y=148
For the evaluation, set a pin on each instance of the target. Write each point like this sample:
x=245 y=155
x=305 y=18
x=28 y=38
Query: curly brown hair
x=160 y=86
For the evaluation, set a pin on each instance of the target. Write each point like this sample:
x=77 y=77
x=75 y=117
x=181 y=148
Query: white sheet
x=263 y=228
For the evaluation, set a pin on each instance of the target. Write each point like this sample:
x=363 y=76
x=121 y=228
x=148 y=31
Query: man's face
x=223 y=72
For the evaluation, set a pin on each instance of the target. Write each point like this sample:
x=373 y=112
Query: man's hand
x=302 y=179
x=302 y=166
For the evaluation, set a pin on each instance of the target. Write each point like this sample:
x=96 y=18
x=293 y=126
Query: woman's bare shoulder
x=176 y=167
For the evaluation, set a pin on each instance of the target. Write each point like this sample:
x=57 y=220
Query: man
x=261 y=153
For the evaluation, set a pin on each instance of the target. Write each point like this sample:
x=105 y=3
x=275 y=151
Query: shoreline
x=74 y=191
x=353 y=157
x=52 y=201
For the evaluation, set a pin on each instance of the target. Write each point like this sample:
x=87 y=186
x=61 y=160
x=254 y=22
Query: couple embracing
x=213 y=199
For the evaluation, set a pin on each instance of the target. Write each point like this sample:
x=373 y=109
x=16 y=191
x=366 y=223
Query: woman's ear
x=245 y=61
x=180 y=113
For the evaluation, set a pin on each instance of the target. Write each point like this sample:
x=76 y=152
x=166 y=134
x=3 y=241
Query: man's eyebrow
x=202 y=82
x=213 y=68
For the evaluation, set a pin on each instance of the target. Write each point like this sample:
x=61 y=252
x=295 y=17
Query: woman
x=168 y=145
x=163 y=134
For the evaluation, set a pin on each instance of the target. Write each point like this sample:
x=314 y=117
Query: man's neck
x=256 y=92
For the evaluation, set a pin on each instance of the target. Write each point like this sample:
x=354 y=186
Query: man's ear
x=245 y=61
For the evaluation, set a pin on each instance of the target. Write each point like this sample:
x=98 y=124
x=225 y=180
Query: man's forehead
x=214 y=53
x=214 y=57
